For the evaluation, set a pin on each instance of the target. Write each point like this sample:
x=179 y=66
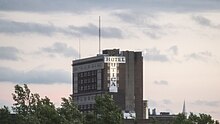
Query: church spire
x=184 y=108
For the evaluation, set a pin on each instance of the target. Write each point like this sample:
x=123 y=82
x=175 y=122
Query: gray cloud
x=92 y=30
x=9 y=53
x=201 y=56
x=153 y=34
x=34 y=76
x=13 y=27
x=135 y=17
x=142 y=22
x=207 y=103
x=61 y=49
x=167 y=101
x=88 y=5
x=161 y=82
x=153 y=31
x=205 y=22
x=155 y=55
x=173 y=50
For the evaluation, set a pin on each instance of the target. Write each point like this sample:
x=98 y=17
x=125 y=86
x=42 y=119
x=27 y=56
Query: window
x=85 y=74
x=93 y=72
x=85 y=81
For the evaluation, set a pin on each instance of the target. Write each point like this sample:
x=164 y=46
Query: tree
x=107 y=111
x=181 y=119
x=69 y=112
x=205 y=119
x=45 y=112
x=29 y=108
x=5 y=116
x=194 y=119
x=89 y=118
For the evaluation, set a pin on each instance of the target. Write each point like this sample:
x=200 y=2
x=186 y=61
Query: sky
x=179 y=40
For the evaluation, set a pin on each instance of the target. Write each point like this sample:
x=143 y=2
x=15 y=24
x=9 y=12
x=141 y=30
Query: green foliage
x=107 y=111
x=5 y=115
x=69 y=112
x=181 y=119
x=194 y=119
x=89 y=118
x=30 y=108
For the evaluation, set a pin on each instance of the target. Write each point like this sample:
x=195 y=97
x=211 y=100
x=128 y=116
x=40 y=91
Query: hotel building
x=119 y=73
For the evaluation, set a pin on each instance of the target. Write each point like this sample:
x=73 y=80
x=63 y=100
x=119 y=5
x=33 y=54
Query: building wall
x=139 y=85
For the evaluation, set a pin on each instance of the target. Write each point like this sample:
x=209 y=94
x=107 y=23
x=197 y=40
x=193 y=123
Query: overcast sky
x=179 y=39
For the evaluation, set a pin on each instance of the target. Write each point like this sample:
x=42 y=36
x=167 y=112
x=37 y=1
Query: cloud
x=153 y=34
x=205 y=22
x=155 y=55
x=34 y=76
x=13 y=27
x=93 y=30
x=173 y=50
x=207 y=103
x=154 y=31
x=77 y=6
x=60 y=49
x=143 y=22
x=161 y=82
x=9 y=53
x=204 y=56
x=167 y=101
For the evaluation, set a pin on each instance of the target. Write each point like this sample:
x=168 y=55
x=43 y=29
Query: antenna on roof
x=99 y=35
x=79 y=49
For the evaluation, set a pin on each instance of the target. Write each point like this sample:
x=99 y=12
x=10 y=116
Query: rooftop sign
x=114 y=59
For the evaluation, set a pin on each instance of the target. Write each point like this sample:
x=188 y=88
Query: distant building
x=162 y=118
x=119 y=73
x=145 y=109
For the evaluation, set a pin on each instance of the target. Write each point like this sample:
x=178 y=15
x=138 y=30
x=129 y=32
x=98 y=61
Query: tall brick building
x=119 y=73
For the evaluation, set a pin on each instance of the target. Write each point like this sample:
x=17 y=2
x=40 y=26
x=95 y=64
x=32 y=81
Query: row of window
x=87 y=87
x=85 y=98
x=87 y=73
x=89 y=80
x=88 y=106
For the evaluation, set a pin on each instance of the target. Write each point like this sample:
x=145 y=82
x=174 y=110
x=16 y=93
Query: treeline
x=30 y=108
x=194 y=119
